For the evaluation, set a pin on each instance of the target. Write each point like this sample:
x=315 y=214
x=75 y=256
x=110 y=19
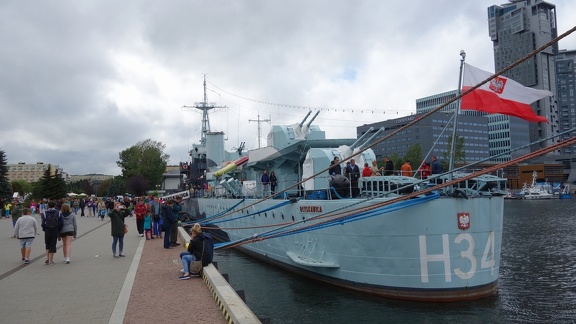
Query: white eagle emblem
x=463 y=221
x=497 y=84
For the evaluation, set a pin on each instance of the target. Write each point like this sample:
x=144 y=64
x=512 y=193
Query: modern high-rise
x=516 y=29
x=566 y=101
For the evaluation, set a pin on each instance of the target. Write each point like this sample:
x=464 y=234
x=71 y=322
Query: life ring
x=185 y=166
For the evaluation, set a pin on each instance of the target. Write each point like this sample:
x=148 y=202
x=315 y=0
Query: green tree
x=5 y=191
x=146 y=159
x=82 y=186
x=51 y=186
x=459 y=154
x=397 y=161
x=21 y=186
x=103 y=188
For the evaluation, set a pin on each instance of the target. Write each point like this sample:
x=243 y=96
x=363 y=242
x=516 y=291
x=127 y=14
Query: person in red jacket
x=140 y=211
x=366 y=172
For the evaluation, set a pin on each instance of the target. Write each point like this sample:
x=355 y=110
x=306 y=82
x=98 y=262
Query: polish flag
x=500 y=95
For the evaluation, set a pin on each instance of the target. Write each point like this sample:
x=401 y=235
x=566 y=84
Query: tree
x=103 y=188
x=82 y=186
x=397 y=161
x=146 y=159
x=137 y=185
x=51 y=186
x=459 y=154
x=21 y=186
x=5 y=192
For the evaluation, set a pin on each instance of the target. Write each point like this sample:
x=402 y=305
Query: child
x=148 y=226
x=102 y=213
x=26 y=230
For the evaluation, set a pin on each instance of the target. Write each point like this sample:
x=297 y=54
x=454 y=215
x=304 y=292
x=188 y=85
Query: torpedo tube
x=230 y=167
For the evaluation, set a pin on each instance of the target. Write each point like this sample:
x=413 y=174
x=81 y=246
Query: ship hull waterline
x=422 y=252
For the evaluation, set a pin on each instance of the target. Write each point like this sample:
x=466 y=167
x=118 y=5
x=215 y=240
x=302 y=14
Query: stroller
x=102 y=213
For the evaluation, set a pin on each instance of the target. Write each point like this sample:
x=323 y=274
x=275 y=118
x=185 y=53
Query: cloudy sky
x=80 y=81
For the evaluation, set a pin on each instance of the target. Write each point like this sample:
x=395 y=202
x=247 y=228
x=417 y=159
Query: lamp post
x=456 y=112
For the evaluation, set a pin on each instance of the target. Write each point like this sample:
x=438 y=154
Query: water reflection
x=537 y=280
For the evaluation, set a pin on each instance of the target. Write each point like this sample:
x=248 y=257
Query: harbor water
x=537 y=280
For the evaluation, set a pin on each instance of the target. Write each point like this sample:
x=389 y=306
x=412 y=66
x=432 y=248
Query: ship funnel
x=303 y=120
x=368 y=141
x=311 y=120
x=358 y=141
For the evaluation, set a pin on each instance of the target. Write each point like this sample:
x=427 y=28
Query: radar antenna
x=260 y=121
x=205 y=106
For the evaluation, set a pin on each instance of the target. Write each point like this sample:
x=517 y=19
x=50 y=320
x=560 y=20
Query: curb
x=232 y=306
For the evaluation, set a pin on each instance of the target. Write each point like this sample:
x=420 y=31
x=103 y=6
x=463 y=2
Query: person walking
x=17 y=211
x=89 y=205
x=140 y=211
x=68 y=231
x=51 y=225
x=117 y=216
x=82 y=205
x=148 y=226
x=26 y=230
x=101 y=209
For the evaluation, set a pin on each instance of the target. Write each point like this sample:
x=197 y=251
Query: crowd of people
x=155 y=218
x=352 y=172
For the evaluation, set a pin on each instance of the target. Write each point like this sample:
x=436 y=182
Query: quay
x=143 y=287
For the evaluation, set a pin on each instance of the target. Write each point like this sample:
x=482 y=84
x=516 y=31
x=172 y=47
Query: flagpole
x=456 y=112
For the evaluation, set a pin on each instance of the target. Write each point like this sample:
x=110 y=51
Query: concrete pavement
x=94 y=287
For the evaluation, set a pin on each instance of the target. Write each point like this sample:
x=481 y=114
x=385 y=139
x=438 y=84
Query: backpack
x=51 y=220
x=209 y=247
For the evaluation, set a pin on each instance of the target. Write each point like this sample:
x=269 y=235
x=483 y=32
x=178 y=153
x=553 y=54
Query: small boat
x=513 y=195
x=536 y=191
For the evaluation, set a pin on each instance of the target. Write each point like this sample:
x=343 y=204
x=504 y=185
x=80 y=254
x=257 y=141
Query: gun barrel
x=303 y=120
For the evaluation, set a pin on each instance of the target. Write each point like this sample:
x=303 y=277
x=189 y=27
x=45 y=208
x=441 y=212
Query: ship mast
x=205 y=106
x=260 y=121
x=456 y=112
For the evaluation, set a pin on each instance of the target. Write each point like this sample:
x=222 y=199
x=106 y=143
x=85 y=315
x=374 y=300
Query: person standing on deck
x=406 y=169
x=388 y=166
x=265 y=180
x=436 y=167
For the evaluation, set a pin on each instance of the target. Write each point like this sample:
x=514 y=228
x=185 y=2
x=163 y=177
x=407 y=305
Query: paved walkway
x=97 y=288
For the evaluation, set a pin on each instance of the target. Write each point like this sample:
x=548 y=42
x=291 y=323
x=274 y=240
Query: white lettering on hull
x=468 y=244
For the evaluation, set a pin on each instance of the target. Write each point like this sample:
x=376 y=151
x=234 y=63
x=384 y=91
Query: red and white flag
x=500 y=95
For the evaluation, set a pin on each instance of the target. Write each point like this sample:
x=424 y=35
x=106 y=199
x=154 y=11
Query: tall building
x=566 y=100
x=30 y=172
x=432 y=134
x=516 y=29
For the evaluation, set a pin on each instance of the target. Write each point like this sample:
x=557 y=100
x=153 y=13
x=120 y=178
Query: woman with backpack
x=51 y=225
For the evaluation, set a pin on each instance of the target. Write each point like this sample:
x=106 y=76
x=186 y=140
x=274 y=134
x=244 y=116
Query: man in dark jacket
x=167 y=222
x=51 y=230
x=175 y=217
